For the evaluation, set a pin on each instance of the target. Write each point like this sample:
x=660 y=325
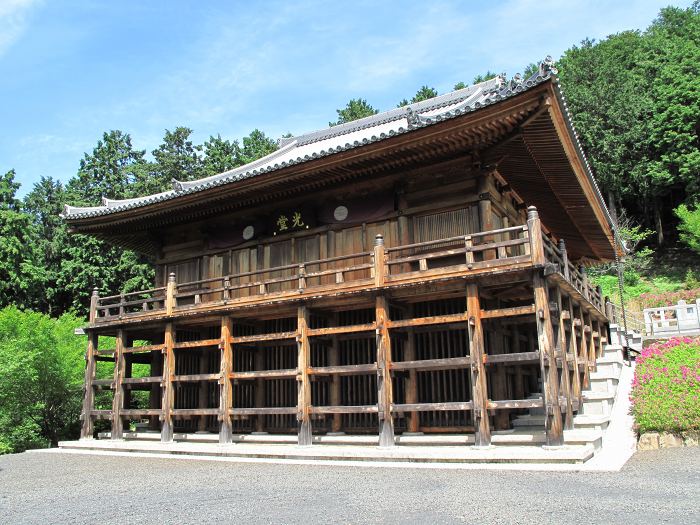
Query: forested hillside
x=635 y=102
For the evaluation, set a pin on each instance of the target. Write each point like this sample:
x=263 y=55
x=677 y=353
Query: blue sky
x=72 y=69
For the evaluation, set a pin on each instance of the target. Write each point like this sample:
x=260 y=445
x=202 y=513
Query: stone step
x=604 y=384
x=591 y=422
x=597 y=403
x=575 y=454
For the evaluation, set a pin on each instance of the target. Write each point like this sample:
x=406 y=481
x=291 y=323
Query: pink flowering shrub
x=666 y=386
x=655 y=300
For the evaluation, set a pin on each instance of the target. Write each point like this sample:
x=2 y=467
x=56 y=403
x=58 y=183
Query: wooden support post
x=154 y=397
x=384 y=389
x=168 y=399
x=118 y=400
x=335 y=394
x=548 y=363
x=479 y=387
x=225 y=390
x=518 y=384
x=586 y=383
x=128 y=372
x=87 y=429
x=259 y=389
x=562 y=350
x=498 y=377
x=534 y=228
x=591 y=343
x=573 y=344
x=303 y=382
x=486 y=213
x=203 y=393
x=411 y=384
x=584 y=282
x=379 y=260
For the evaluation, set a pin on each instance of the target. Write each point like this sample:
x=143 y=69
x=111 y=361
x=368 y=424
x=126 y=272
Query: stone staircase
x=596 y=412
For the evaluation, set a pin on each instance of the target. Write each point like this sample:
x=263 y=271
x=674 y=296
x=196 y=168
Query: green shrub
x=689 y=226
x=41 y=376
x=666 y=387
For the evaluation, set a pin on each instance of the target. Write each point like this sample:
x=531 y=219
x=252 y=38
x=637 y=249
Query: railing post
x=122 y=311
x=564 y=259
x=302 y=277
x=469 y=253
x=94 y=299
x=379 y=260
x=534 y=227
x=598 y=296
x=584 y=282
x=170 y=292
x=609 y=310
x=227 y=289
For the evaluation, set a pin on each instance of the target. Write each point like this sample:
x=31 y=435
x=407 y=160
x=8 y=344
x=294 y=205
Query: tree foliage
x=689 y=226
x=41 y=373
x=424 y=93
x=356 y=109
x=635 y=101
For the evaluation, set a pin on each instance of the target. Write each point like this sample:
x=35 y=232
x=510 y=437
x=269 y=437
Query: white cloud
x=14 y=15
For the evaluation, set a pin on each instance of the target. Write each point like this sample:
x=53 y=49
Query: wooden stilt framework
x=465 y=354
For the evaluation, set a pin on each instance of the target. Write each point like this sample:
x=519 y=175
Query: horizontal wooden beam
x=265 y=374
x=262 y=411
x=508 y=312
x=140 y=380
x=515 y=403
x=187 y=412
x=196 y=377
x=429 y=407
x=279 y=336
x=337 y=330
x=433 y=364
x=432 y=320
x=344 y=370
x=355 y=409
x=512 y=358
x=144 y=348
x=197 y=344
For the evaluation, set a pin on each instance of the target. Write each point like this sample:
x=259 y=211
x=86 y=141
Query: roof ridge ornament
x=412 y=118
x=547 y=67
x=177 y=185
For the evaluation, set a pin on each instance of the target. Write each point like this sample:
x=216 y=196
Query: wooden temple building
x=419 y=270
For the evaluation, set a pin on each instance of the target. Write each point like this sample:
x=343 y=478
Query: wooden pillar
x=87 y=429
x=168 y=396
x=128 y=372
x=586 y=383
x=573 y=345
x=225 y=389
x=486 y=213
x=411 y=384
x=562 y=347
x=548 y=363
x=518 y=384
x=335 y=393
x=498 y=377
x=203 y=390
x=118 y=400
x=384 y=388
x=259 y=389
x=479 y=387
x=154 y=396
x=304 y=438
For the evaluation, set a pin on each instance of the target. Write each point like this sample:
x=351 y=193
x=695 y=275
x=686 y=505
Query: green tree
x=41 y=371
x=424 y=93
x=177 y=158
x=19 y=271
x=44 y=203
x=255 y=146
x=689 y=226
x=109 y=171
x=356 y=109
x=220 y=155
x=483 y=78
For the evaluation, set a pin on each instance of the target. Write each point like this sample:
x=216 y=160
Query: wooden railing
x=481 y=252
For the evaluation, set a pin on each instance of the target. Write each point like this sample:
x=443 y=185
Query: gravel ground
x=656 y=486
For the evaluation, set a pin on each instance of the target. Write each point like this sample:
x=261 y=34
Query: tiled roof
x=343 y=137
